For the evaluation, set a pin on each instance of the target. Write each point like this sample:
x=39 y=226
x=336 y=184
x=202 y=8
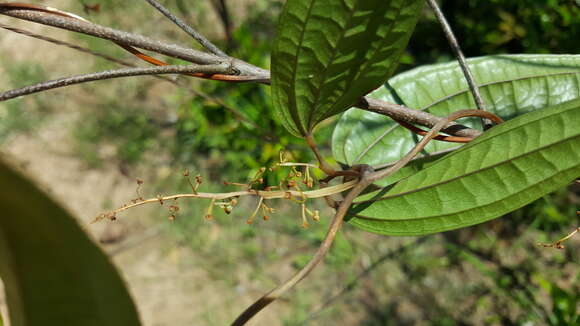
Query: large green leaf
x=506 y=168
x=52 y=272
x=329 y=53
x=511 y=85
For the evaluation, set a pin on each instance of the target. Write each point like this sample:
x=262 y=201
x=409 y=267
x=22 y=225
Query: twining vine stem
x=236 y=70
x=367 y=177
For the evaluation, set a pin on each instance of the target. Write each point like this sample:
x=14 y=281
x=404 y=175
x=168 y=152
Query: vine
x=299 y=186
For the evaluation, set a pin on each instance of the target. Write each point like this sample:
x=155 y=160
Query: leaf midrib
x=470 y=173
x=294 y=112
x=332 y=57
x=467 y=209
x=370 y=61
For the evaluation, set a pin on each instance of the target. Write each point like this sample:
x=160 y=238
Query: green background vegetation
x=491 y=274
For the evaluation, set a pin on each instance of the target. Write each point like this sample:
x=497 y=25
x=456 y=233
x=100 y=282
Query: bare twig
x=128 y=64
x=419 y=157
x=110 y=74
x=188 y=29
x=403 y=113
x=430 y=135
x=460 y=57
x=254 y=73
x=69 y=45
x=419 y=131
x=98 y=55
x=249 y=72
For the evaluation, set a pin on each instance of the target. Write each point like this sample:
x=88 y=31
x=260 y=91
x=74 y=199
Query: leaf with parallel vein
x=506 y=168
x=511 y=85
x=329 y=53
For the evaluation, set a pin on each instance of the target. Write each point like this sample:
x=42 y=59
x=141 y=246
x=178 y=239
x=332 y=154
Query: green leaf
x=511 y=85
x=329 y=53
x=506 y=168
x=52 y=272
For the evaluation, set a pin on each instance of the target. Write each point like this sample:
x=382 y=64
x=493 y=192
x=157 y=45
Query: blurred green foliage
x=496 y=27
x=490 y=274
x=128 y=127
x=22 y=115
x=564 y=304
x=234 y=124
x=461 y=277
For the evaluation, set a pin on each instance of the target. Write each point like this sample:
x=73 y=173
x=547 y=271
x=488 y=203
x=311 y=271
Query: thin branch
x=254 y=73
x=68 y=45
x=419 y=157
x=129 y=64
x=177 y=83
x=335 y=225
x=421 y=132
x=251 y=73
x=403 y=113
x=459 y=54
x=107 y=33
x=110 y=74
x=431 y=135
x=188 y=29
x=558 y=244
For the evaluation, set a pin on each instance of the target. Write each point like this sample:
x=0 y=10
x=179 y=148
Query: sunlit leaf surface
x=506 y=168
x=511 y=85
x=329 y=53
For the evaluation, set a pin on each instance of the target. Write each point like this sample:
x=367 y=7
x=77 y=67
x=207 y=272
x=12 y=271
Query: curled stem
x=367 y=177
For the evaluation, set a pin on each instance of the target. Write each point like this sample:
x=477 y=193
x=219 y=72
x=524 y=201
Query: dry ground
x=168 y=286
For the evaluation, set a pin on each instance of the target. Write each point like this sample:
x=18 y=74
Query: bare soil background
x=173 y=284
